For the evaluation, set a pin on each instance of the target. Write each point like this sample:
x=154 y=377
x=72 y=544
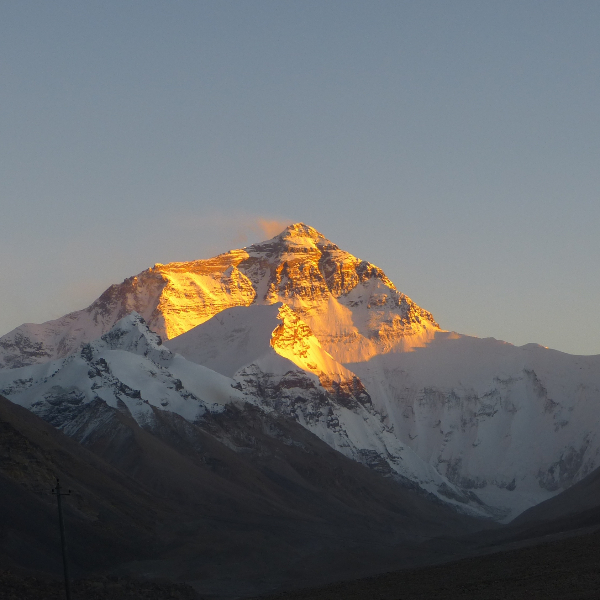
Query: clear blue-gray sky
x=454 y=144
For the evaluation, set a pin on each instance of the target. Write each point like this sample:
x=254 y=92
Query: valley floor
x=21 y=587
x=566 y=569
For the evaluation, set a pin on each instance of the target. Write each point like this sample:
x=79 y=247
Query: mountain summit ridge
x=342 y=298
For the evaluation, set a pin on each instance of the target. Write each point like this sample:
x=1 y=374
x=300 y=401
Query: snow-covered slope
x=268 y=335
x=351 y=306
x=33 y=343
x=468 y=419
x=284 y=372
x=127 y=368
x=280 y=366
x=515 y=425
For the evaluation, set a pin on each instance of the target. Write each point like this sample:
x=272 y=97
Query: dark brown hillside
x=567 y=569
x=104 y=515
x=551 y=551
x=237 y=505
x=248 y=503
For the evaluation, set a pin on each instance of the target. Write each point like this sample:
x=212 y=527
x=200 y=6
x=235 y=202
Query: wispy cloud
x=254 y=229
x=271 y=227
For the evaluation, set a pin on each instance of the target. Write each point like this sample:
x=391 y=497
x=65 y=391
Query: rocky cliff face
x=351 y=306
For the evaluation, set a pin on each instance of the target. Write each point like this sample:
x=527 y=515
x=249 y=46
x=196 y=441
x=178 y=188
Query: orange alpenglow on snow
x=350 y=305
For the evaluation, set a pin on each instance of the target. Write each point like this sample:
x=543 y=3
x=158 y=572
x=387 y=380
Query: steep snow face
x=240 y=336
x=277 y=365
x=344 y=417
x=280 y=366
x=127 y=368
x=469 y=420
x=353 y=309
x=512 y=425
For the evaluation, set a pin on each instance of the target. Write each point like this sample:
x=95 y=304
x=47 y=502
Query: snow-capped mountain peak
x=297 y=326
x=353 y=309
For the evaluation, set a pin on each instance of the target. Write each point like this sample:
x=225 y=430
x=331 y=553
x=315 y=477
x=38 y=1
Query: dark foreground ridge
x=283 y=511
x=21 y=587
x=565 y=569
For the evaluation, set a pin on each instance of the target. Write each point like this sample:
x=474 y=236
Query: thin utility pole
x=56 y=491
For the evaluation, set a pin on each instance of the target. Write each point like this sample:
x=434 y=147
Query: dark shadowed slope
x=566 y=569
x=551 y=551
x=239 y=504
x=579 y=505
x=108 y=518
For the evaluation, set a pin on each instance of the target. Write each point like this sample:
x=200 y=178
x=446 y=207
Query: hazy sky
x=454 y=144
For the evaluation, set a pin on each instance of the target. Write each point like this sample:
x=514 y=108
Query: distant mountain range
x=291 y=350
